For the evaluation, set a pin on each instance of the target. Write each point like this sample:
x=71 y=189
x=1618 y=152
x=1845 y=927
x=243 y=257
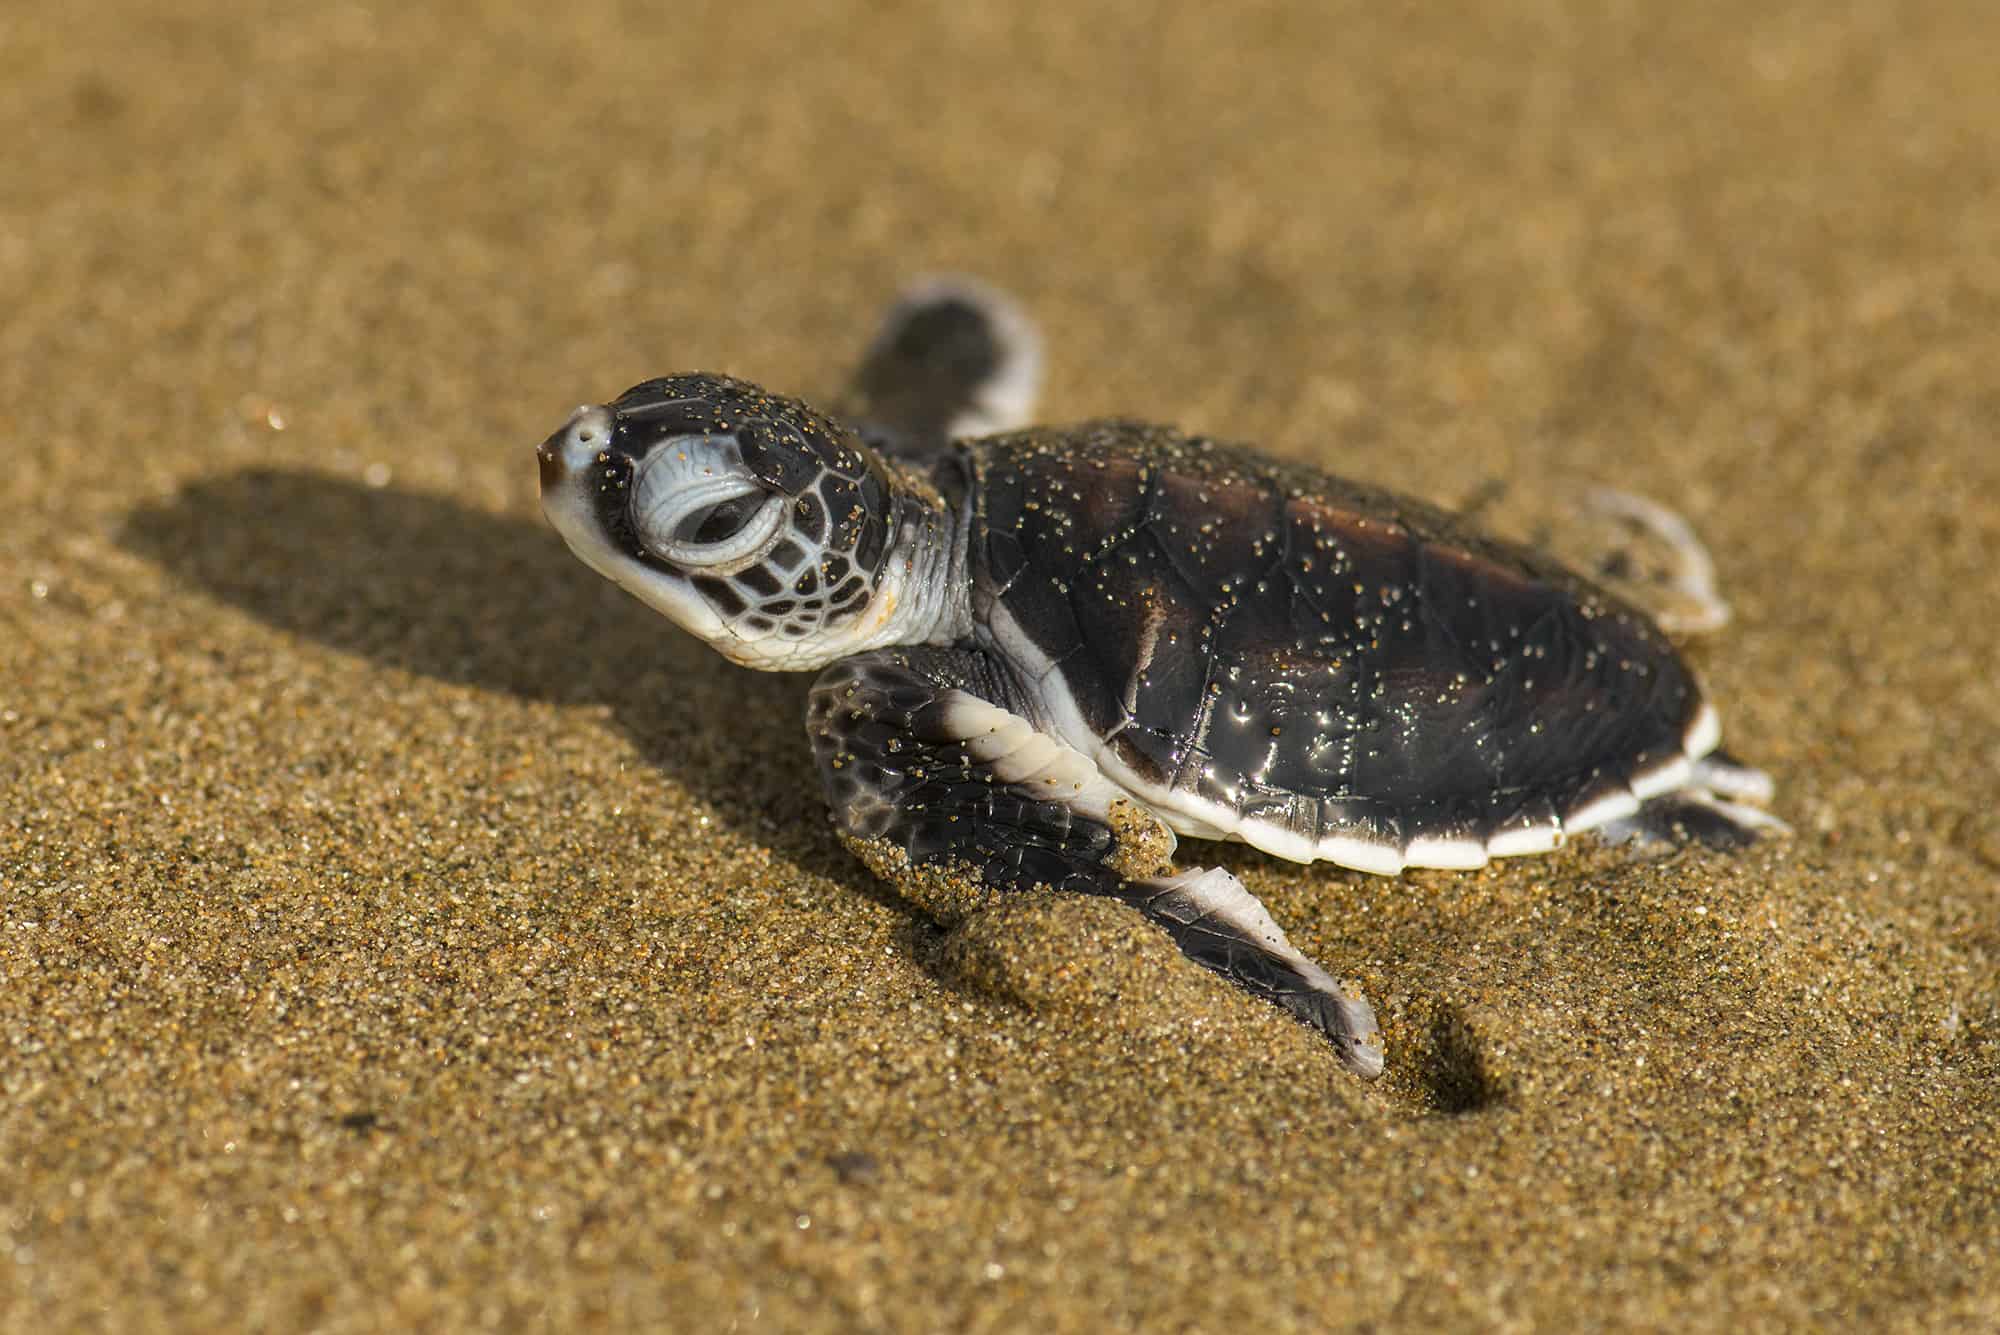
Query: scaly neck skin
x=924 y=596
x=921 y=595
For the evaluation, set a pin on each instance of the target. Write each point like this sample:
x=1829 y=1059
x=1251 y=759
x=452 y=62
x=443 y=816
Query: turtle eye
x=694 y=505
x=717 y=523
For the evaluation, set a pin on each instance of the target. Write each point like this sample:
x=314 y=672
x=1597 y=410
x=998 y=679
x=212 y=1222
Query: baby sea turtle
x=1044 y=649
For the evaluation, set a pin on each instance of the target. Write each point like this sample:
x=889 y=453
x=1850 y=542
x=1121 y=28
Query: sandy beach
x=402 y=929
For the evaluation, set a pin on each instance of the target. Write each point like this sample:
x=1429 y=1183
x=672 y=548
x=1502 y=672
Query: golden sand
x=400 y=929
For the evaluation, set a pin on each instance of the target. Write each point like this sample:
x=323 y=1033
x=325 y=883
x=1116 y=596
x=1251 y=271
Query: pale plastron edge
x=1189 y=815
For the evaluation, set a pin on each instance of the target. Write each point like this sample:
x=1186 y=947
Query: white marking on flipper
x=1731 y=780
x=1018 y=753
x=1006 y=400
x=1755 y=818
x=1217 y=896
x=1748 y=820
x=1704 y=734
x=1694 y=571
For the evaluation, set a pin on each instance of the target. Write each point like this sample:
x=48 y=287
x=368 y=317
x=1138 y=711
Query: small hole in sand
x=1452 y=1067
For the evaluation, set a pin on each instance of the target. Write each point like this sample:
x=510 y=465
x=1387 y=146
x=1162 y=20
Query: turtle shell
x=1324 y=669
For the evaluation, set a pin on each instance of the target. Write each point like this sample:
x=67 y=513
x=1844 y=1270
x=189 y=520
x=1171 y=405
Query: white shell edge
x=1189 y=815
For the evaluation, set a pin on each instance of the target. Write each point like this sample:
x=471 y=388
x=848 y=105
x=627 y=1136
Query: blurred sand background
x=400 y=929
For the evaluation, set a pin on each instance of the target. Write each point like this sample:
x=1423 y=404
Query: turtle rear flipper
x=1719 y=807
x=919 y=751
x=1641 y=550
x=953 y=358
x=1653 y=556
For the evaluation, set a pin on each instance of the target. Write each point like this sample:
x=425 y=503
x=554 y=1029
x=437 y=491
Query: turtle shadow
x=413 y=582
x=424 y=585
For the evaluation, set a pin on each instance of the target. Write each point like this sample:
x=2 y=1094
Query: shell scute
x=1307 y=662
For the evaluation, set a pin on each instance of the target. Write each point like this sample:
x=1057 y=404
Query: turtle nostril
x=582 y=440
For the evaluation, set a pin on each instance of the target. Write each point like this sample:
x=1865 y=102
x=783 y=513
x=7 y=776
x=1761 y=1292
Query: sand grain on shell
x=399 y=928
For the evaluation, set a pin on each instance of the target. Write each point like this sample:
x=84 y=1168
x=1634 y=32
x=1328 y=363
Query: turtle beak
x=550 y=459
x=574 y=447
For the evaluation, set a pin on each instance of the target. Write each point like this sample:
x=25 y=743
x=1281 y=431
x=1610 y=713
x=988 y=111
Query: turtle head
x=752 y=521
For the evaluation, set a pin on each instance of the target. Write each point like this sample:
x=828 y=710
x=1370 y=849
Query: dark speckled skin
x=930 y=368
x=843 y=497
x=1312 y=652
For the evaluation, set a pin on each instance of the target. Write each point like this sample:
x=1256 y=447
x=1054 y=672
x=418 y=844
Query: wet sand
x=399 y=928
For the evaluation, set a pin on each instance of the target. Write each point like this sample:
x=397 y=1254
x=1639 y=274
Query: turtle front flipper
x=925 y=757
x=953 y=358
x=1219 y=924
